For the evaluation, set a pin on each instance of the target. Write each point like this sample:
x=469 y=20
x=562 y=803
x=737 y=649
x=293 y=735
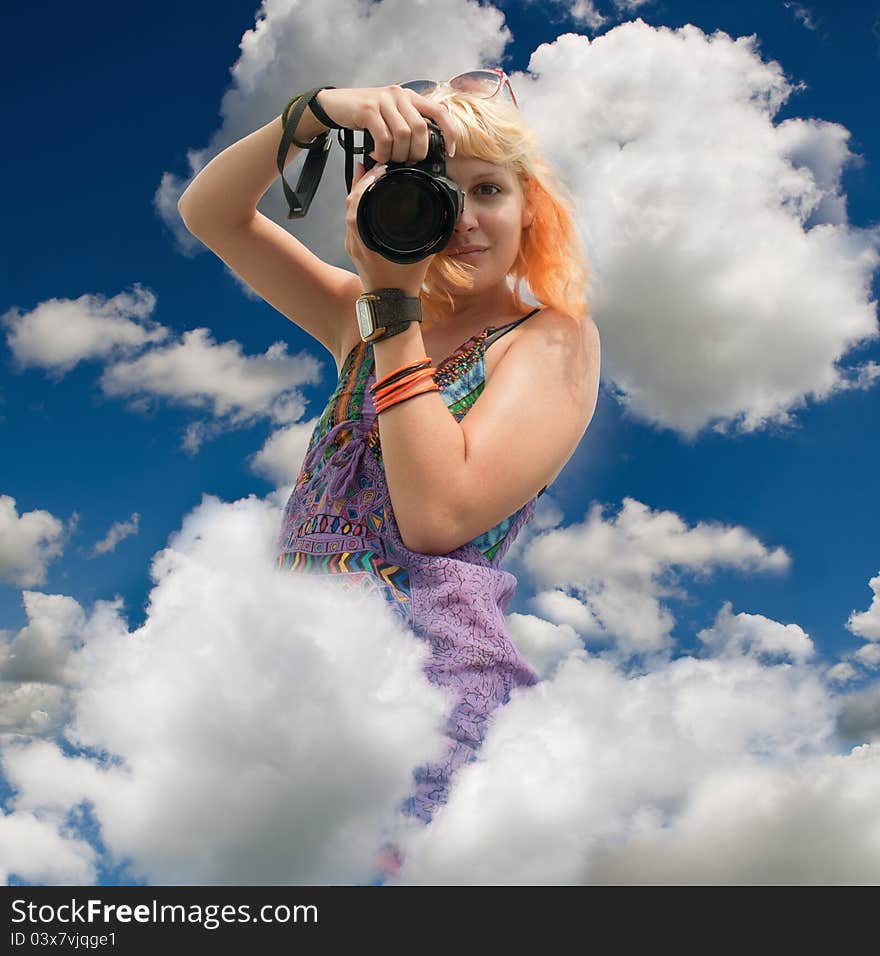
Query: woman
x=438 y=439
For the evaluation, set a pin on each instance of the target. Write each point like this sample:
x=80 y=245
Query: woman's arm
x=224 y=195
x=450 y=482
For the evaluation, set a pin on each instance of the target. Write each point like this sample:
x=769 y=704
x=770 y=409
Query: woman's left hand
x=376 y=271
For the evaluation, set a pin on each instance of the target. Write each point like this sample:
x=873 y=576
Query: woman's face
x=493 y=218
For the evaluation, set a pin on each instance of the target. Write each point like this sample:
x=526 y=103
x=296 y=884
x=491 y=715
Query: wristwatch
x=385 y=312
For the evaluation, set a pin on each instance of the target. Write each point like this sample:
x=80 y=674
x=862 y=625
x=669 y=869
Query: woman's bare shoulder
x=552 y=330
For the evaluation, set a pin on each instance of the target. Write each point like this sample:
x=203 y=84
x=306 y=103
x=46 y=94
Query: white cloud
x=717 y=770
x=629 y=6
x=255 y=711
x=755 y=635
x=32 y=708
x=268 y=699
x=565 y=609
x=801 y=13
x=193 y=370
x=283 y=452
x=236 y=388
x=842 y=672
x=811 y=824
x=621 y=568
x=868 y=655
x=585 y=12
x=866 y=624
x=545 y=645
x=40 y=651
x=119 y=531
x=59 y=333
x=63 y=859
x=731 y=285
x=28 y=542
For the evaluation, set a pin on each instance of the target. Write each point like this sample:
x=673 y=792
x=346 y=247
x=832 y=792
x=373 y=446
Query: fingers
x=359 y=185
x=400 y=130
x=418 y=126
x=398 y=149
x=381 y=137
x=440 y=115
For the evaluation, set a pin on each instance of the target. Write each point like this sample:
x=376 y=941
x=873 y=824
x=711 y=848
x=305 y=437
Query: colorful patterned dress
x=339 y=520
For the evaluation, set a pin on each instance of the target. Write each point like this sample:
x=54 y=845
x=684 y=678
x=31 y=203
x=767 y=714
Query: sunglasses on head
x=483 y=83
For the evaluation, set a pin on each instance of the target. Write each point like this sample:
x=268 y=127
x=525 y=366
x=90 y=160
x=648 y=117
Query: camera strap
x=299 y=200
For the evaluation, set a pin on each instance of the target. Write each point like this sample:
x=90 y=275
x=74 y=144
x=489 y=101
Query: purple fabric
x=339 y=521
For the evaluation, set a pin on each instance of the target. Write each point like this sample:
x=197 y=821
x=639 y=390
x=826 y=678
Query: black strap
x=300 y=200
x=504 y=329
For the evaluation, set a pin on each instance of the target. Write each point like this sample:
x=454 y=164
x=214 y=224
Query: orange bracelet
x=403 y=383
x=385 y=378
x=432 y=387
x=402 y=390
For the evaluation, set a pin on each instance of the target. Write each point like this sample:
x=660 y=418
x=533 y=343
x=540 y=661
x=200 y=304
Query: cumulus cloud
x=753 y=634
x=281 y=456
x=200 y=373
x=275 y=701
x=28 y=542
x=119 y=531
x=619 y=569
x=34 y=672
x=40 y=651
x=716 y=770
x=192 y=370
x=255 y=712
x=866 y=624
x=59 y=333
x=584 y=13
x=731 y=285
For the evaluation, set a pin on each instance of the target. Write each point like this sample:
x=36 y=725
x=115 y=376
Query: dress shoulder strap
x=504 y=329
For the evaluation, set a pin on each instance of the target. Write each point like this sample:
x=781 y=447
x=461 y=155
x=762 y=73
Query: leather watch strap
x=395 y=307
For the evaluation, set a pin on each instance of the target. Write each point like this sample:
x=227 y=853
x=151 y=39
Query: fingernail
x=452 y=150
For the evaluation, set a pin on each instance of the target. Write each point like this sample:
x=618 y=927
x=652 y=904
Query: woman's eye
x=491 y=186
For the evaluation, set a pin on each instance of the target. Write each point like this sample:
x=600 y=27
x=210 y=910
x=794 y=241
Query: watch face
x=364 y=318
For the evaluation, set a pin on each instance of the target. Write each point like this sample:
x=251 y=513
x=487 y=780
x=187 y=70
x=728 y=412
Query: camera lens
x=407 y=215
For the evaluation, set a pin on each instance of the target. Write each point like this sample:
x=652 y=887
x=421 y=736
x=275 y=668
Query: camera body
x=410 y=212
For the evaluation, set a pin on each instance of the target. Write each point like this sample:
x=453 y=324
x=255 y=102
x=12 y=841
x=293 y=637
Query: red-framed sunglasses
x=484 y=83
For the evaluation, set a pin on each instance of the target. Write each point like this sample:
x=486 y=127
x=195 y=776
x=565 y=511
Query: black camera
x=410 y=212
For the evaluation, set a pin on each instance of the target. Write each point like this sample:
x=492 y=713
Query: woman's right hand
x=395 y=118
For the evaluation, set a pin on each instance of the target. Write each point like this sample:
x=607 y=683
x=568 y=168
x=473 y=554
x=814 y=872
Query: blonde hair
x=551 y=258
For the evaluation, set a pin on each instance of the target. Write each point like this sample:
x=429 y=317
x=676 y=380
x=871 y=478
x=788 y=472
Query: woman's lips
x=468 y=256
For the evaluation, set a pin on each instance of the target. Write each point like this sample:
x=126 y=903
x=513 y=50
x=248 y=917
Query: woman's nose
x=467 y=220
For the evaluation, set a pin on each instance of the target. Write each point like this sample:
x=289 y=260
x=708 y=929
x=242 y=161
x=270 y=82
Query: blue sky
x=751 y=481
